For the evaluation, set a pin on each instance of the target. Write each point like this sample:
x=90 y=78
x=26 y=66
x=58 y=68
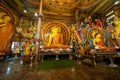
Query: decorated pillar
x=38 y=30
x=76 y=17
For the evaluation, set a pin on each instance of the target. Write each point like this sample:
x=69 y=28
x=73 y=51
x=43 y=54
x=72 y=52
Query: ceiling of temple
x=59 y=7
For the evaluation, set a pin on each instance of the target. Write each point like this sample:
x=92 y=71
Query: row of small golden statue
x=28 y=47
x=27 y=50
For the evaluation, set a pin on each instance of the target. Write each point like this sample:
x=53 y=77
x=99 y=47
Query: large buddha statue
x=5 y=30
x=117 y=29
x=56 y=39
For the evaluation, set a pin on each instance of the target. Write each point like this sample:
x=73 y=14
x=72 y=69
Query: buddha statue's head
x=7 y=18
x=55 y=29
x=4 y=18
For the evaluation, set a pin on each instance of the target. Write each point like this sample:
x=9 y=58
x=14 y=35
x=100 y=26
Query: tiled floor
x=16 y=70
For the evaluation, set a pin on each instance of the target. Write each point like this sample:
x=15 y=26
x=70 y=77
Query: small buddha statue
x=98 y=42
x=55 y=39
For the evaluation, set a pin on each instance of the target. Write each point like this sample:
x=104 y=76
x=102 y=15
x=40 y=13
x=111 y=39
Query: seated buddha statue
x=116 y=22
x=5 y=31
x=55 y=40
x=98 y=42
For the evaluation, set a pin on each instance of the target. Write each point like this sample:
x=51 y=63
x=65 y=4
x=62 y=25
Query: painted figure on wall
x=110 y=36
x=29 y=32
x=98 y=24
x=79 y=30
x=75 y=36
x=84 y=33
x=5 y=30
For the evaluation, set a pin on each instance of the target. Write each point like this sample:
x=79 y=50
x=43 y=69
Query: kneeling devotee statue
x=55 y=40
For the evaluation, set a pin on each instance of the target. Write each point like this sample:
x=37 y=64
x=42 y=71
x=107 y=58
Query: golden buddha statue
x=117 y=26
x=117 y=30
x=5 y=30
x=55 y=39
x=98 y=42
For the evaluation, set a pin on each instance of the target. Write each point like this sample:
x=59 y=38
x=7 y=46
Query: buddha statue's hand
x=58 y=44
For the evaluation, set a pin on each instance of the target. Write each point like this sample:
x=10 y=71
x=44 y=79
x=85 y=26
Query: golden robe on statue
x=55 y=40
x=98 y=42
x=5 y=32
